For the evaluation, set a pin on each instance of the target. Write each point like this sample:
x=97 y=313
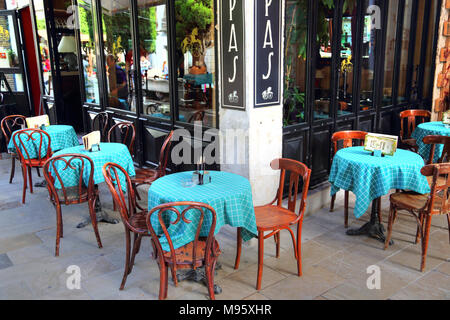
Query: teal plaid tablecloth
x=430 y=129
x=370 y=177
x=109 y=152
x=61 y=137
x=230 y=195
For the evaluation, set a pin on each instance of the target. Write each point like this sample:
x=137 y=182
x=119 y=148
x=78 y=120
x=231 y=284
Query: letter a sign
x=267 y=53
x=232 y=54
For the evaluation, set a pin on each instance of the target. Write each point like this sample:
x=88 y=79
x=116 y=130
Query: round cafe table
x=109 y=152
x=370 y=177
x=430 y=129
x=229 y=194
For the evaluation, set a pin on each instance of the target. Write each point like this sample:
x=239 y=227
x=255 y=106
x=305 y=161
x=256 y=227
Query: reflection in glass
x=44 y=46
x=418 y=48
x=116 y=16
x=295 y=61
x=401 y=97
x=427 y=92
x=322 y=82
x=389 y=54
x=195 y=59
x=87 y=39
x=154 y=59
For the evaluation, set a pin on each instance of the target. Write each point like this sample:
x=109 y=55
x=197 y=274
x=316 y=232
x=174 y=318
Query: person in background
x=118 y=85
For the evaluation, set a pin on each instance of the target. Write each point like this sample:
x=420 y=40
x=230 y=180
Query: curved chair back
x=65 y=178
x=164 y=155
x=101 y=123
x=297 y=170
x=348 y=137
x=433 y=141
x=123 y=132
x=438 y=201
x=12 y=123
x=36 y=139
x=126 y=202
x=414 y=118
x=197 y=212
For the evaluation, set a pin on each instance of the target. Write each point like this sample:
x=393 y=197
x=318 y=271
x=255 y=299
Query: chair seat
x=145 y=176
x=36 y=163
x=73 y=195
x=184 y=254
x=415 y=201
x=138 y=221
x=273 y=217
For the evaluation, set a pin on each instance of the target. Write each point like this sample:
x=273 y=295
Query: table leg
x=373 y=228
x=102 y=216
x=198 y=276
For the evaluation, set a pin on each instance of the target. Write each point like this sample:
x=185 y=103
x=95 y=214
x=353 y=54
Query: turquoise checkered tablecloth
x=61 y=137
x=370 y=177
x=430 y=129
x=230 y=195
x=109 y=152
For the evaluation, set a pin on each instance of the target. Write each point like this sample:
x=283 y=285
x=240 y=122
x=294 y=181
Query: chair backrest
x=438 y=201
x=101 y=123
x=414 y=117
x=198 y=211
x=433 y=141
x=38 y=139
x=56 y=172
x=10 y=124
x=348 y=137
x=297 y=170
x=164 y=154
x=123 y=132
x=126 y=202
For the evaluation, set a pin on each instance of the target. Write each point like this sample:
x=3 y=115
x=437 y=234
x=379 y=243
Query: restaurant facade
x=278 y=76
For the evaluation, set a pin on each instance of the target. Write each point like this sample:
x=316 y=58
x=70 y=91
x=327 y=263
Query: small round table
x=370 y=177
x=429 y=129
x=109 y=152
x=229 y=194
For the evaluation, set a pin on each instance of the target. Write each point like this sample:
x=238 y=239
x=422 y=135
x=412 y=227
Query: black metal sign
x=267 y=53
x=232 y=54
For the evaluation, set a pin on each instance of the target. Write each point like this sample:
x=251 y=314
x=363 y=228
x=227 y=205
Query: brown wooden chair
x=423 y=207
x=62 y=194
x=148 y=176
x=414 y=118
x=433 y=141
x=201 y=252
x=348 y=139
x=275 y=218
x=133 y=216
x=101 y=123
x=42 y=142
x=10 y=124
x=123 y=132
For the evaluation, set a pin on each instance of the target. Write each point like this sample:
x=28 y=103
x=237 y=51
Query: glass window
x=427 y=89
x=389 y=54
x=418 y=49
x=117 y=38
x=296 y=37
x=401 y=97
x=154 y=59
x=195 y=60
x=322 y=80
x=44 y=48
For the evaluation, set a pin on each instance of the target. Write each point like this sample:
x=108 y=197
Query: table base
x=373 y=228
x=42 y=184
x=102 y=216
x=199 y=276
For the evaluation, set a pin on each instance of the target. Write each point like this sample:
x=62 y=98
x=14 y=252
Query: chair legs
x=58 y=229
x=260 y=259
x=31 y=179
x=425 y=240
x=94 y=222
x=210 y=279
x=347 y=195
x=392 y=213
x=24 y=174
x=299 y=248
x=277 y=239
x=333 y=200
x=13 y=168
x=448 y=219
x=163 y=281
x=238 y=249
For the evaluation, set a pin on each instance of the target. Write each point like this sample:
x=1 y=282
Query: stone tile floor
x=335 y=265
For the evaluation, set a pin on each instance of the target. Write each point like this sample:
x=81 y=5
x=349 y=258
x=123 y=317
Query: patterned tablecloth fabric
x=230 y=195
x=370 y=177
x=61 y=137
x=429 y=129
x=109 y=152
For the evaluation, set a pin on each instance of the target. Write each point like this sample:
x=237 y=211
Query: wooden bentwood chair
x=274 y=218
x=424 y=207
x=9 y=124
x=201 y=252
x=433 y=141
x=101 y=123
x=42 y=142
x=123 y=132
x=71 y=164
x=347 y=137
x=414 y=118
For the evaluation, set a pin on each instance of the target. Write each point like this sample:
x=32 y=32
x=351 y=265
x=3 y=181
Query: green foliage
x=147 y=28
